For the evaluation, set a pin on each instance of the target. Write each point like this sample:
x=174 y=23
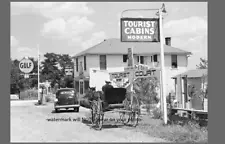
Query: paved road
x=29 y=124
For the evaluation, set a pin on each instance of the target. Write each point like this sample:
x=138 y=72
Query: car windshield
x=68 y=92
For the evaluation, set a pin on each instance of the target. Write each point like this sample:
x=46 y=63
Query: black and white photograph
x=109 y=72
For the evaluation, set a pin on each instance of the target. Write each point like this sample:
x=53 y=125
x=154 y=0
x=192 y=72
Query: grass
x=190 y=132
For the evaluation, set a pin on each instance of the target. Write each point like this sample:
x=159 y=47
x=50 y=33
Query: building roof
x=115 y=46
x=193 y=73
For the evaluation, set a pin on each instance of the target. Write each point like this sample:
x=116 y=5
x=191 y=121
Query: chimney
x=168 y=41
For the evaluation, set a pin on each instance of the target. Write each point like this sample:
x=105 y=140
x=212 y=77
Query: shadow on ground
x=63 y=111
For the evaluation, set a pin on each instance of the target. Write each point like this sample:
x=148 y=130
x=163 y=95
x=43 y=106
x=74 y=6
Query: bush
x=29 y=95
x=157 y=114
x=49 y=98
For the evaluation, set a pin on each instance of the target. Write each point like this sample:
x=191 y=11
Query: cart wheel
x=100 y=116
x=99 y=122
x=92 y=117
x=124 y=117
x=93 y=113
x=134 y=115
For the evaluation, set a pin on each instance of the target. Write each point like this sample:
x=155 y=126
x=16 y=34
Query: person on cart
x=104 y=89
x=106 y=86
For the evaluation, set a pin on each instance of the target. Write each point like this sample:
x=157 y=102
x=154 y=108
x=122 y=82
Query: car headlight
x=56 y=100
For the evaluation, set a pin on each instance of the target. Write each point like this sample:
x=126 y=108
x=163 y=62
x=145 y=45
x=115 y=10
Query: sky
x=71 y=27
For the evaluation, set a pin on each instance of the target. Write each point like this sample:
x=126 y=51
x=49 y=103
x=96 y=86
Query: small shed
x=188 y=89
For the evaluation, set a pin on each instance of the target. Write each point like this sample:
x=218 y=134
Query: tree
x=15 y=76
x=50 y=70
x=146 y=88
x=15 y=71
x=203 y=64
x=18 y=81
x=53 y=69
x=65 y=61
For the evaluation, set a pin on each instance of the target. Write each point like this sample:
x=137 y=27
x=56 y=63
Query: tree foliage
x=203 y=64
x=146 y=89
x=51 y=69
x=17 y=81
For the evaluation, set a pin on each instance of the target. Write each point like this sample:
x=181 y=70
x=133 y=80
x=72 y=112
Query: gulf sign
x=140 y=30
x=26 y=65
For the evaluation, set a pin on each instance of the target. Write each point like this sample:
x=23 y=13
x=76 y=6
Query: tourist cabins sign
x=140 y=30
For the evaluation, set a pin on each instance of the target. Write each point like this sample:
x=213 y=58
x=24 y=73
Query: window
x=174 y=61
x=142 y=59
x=77 y=64
x=102 y=62
x=125 y=57
x=81 y=87
x=77 y=86
x=86 y=85
x=155 y=58
x=85 y=67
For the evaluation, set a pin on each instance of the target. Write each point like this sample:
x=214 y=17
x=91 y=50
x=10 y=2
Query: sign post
x=147 y=30
x=163 y=84
x=38 y=75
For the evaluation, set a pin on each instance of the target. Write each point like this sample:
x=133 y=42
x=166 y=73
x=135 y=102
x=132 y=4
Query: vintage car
x=66 y=98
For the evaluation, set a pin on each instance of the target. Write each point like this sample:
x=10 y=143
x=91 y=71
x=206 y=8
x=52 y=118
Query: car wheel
x=76 y=109
x=56 y=110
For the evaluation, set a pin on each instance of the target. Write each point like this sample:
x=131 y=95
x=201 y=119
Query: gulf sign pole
x=38 y=75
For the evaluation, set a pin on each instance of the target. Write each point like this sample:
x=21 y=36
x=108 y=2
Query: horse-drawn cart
x=119 y=99
x=114 y=100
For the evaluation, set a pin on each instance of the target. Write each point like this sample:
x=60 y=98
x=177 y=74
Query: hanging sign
x=69 y=71
x=147 y=73
x=119 y=75
x=140 y=30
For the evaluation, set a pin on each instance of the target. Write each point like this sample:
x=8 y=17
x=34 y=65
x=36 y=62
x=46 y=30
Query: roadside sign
x=140 y=30
x=26 y=65
x=119 y=75
x=147 y=73
x=26 y=75
x=138 y=67
x=68 y=71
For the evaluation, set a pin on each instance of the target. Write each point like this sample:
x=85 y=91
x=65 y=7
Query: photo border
x=215 y=52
